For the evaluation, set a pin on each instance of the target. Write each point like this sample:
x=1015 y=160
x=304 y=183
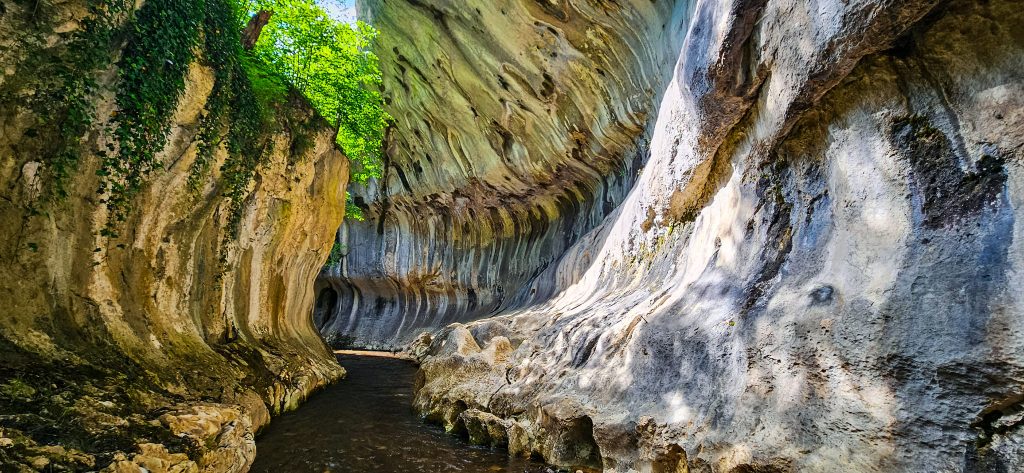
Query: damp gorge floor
x=365 y=423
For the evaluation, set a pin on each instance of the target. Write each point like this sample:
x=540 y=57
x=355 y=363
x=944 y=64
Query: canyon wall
x=817 y=269
x=520 y=125
x=166 y=340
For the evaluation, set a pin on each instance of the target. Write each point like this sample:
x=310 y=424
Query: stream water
x=365 y=423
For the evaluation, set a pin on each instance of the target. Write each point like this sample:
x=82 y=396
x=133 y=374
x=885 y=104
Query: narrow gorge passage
x=366 y=424
x=617 y=236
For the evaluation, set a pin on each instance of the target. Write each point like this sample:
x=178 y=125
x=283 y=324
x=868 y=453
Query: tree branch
x=251 y=33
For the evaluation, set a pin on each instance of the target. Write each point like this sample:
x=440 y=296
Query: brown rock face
x=176 y=332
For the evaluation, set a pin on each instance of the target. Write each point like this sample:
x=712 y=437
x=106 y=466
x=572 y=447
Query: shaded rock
x=180 y=310
x=484 y=428
x=522 y=127
x=155 y=459
x=419 y=347
x=818 y=264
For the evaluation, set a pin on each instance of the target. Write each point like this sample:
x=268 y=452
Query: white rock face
x=818 y=268
x=521 y=125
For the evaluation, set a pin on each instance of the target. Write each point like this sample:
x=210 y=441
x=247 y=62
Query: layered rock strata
x=520 y=125
x=818 y=268
x=165 y=347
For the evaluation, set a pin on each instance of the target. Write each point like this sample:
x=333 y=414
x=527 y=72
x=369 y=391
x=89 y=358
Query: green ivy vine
x=160 y=46
x=69 y=86
x=163 y=40
x=232 y=101
x=158 y=43
x=338 y=251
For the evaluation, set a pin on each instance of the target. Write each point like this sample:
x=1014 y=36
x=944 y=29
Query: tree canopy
x=329 y=62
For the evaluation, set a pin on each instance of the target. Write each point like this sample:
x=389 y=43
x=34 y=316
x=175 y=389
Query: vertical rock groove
x=172 y=342
x=520 y=125
x=816 y=264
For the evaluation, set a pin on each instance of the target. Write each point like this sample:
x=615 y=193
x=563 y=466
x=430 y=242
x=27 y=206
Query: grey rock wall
x=520 y=125
x=818 y=268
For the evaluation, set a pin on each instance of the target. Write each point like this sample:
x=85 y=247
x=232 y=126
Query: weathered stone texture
x=520 y=125
x=174 y=331
x=817 y=270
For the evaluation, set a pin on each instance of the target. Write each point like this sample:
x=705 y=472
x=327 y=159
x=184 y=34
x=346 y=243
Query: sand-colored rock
x=174 y=326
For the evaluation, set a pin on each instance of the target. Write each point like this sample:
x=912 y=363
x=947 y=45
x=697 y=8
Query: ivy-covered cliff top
x=301 y=48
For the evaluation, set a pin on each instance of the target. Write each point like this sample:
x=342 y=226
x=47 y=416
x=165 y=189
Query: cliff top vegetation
x=329 y=62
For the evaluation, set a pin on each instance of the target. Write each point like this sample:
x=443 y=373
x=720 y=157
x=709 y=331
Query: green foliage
x=269 y=87
x=161 y=45
x=302 y=47
x=328 y=61
x=234 y=96
x=338 y=251
x=352 y=210
x=68 y=86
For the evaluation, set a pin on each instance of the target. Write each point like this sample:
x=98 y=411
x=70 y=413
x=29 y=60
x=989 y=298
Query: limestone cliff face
x=175 y=335
x=818 y=268
x=520 y=125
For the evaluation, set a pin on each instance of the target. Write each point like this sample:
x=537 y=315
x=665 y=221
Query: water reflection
x=365 y=424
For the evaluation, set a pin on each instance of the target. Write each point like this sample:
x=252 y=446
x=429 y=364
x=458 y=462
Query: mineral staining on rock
x=746 y=235
x=818 y=264
x=520 y=125
x=166 y=340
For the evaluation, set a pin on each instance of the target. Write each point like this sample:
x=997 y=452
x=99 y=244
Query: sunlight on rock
x=624 y=236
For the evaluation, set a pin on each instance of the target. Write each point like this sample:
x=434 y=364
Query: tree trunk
x=252 y=31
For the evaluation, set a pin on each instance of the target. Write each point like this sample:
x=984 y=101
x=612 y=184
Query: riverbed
x=365 y=423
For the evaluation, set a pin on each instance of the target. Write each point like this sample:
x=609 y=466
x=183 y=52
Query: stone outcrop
x=817 y=269
x=520 y=125
x=167 y=346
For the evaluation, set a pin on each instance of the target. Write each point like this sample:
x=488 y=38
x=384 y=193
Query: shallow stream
x=365 y=423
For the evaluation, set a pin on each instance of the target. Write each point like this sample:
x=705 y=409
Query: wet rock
x=568 y=436
x=485 y=428
x=520 y=442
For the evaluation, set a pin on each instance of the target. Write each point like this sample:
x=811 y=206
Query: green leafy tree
x=330 y=63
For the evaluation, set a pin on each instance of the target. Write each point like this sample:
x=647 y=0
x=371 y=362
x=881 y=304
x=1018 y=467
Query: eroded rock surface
x=167 y=346
x=818 y=268
x=520 y=125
